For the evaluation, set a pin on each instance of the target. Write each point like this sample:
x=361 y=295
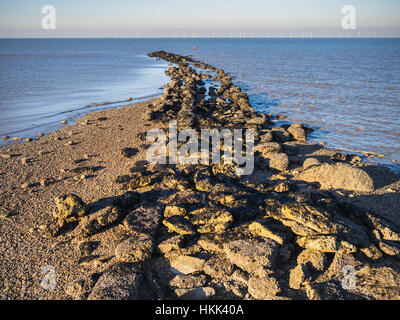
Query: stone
x=372 y=252
x=211 y=220
x=195 y=294
x=64 y=121
x=254 y=256
x=189 y=281
x=180 y=225
x=172 y=244
x=338 y=176
x=187 y=264
x=174 y=211
x=218 y=268
x=266 y=148
x=280 y=134
x=325 y=243
x=282 y=187
x=391 y=248
x=313 y=260
x=263 y=288
x=119 y=282
x=137 y=181
x=268 y=228
x=309 y=162
x=279 y=161
x=70 y=208
x=297 y=132
x=144 y=220
x=298 y=276
x=87 y=247
x=134 y=249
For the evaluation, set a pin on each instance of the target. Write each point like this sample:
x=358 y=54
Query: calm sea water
x=346 y=89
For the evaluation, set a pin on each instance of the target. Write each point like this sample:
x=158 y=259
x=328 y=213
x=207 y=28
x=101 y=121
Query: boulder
x=279 y=161
x=144 y=220
x=134 y=249
x=187 y=264
x=180 y=225
x=338 y=176
x=309 y=162
x=265 y=288
x=70 y=208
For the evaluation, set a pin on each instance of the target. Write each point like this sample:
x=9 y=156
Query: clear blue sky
x=94 y=18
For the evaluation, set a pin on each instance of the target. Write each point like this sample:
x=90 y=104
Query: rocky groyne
x=200 y=231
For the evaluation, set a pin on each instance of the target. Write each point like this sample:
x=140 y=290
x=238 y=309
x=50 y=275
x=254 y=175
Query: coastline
x=90 y=159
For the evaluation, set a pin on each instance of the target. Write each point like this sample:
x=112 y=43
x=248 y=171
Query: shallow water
x=346 y=89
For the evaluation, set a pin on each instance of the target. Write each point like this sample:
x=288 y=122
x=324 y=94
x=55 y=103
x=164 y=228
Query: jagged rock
x=309 y=162
x=218 y=268
x=98 y=221
x=386 y=230
x=268 y=228
x=325 y=243
x=144 y=220
x=182 y=281
x=279 y=161
x=119 y=282
x=180 y=225
x=137 y=181
x=267 y=148
x=338 y=176
x=174 y=211
x=172 y=244
x=298 y=276
x=211 y=220
x=195 y=294
x=280 y=134
x=70 y=208
x=134 y=249
x=297 y=131
x=187 y=264
x=80 y=288
x=314 y=260
x=263 y=288
x=254 y=256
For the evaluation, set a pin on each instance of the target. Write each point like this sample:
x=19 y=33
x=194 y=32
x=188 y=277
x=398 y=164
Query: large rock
x=179 y=225
x=187 y=264
x=338 y=176
x=134 y=249
x=254 y=256
x=264 y=288
x=279 y=161
x=70 y=208
x=212 y=220
x=119 y=282
x=144 y=220
x=297 y=131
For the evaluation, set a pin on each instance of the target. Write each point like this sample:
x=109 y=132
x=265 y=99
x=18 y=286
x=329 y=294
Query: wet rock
x=119 y=282
x=189 y=281
x=134 y=249
x=195 y=294
x=180 y=225
x=297 y=131
x=338 y=176
x=254 y=256
x=263 y=288
x=70 y=208
x=187 y=264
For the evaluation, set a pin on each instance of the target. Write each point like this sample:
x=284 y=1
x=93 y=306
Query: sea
x=347 y=90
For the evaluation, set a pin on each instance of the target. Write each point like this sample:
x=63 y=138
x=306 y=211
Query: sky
x=204 y=18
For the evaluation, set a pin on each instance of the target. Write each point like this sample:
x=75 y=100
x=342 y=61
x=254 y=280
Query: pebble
x=6 y=137
x=16 y=139
x=69 y=143
x=6 y=156
x=64 y=122
x=28 y=139
x=41 y=134
x=25 y=185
